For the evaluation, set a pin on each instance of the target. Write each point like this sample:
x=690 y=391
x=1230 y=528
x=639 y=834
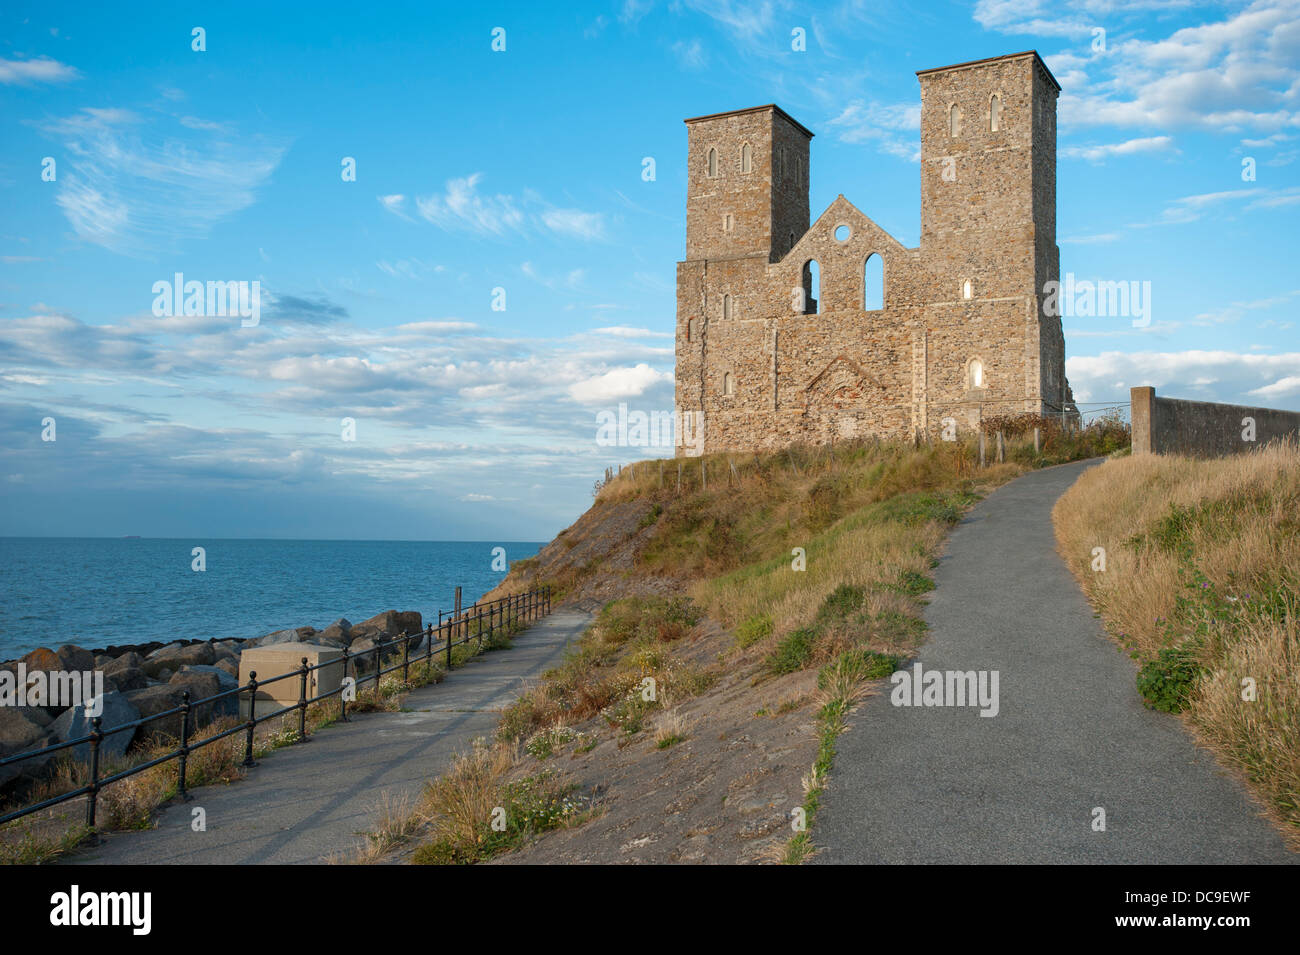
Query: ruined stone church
x=790 y=332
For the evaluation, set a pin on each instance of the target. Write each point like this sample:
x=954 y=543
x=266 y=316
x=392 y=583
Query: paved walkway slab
x=305 y=802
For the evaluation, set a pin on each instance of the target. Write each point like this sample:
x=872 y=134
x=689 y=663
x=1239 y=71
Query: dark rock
x=144 y=649
x=389 y=624
x=336 y=634
x=115 y=710
x=22 y=728
x=280 y=636
x=174 y=645
x=126 y=678
x=127 y=661
x=200 y=685
x=42 y=659
x=174 y=657
x=153 y=700
x=226 y=680
x=75 y=658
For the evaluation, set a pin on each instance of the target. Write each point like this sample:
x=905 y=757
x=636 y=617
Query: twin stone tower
x=789 y=332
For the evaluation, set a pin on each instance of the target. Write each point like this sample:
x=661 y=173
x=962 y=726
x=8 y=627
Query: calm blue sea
x=95 y=592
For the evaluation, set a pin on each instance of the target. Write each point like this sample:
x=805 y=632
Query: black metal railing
x=477 y=622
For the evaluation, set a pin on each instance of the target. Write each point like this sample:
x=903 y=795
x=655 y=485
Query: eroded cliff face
x=593 y=561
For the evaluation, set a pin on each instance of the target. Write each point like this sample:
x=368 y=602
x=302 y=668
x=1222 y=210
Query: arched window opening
x=728 y=384
x=976 y=373
x=954 y=121
x=812 y=280
x=967 y=289
x=873 y=283
x=746 y=158
x=726 y=308
x=995 y=113
x=713 y=163
x=728 y=223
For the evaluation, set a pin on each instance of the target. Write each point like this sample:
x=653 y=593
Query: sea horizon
x=103 y=591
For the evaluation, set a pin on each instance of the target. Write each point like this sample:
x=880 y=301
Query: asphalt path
x=935 y=784
x=310 y=801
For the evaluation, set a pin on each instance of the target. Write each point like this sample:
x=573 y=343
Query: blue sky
x=521 y=170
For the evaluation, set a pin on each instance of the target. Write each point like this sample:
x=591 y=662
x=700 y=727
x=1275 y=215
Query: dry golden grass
x=671 y=725
x=397 y=819
x=457 y=802
x=1206 y=554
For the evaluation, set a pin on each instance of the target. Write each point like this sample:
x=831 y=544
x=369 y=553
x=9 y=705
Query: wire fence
x=477 y=622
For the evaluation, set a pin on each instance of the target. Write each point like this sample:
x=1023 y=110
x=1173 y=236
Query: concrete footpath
x=305 y=802
x=943 y=784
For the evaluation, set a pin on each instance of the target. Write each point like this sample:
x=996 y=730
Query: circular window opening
x=842 y=233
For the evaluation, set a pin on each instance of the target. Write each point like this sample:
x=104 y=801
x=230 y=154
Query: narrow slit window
x=954 y=121
x=746 y=158
x=726 y=307
x=873 y=283
x=713 y=163
x=995 y=113
x=728 y=384
x=812 y=279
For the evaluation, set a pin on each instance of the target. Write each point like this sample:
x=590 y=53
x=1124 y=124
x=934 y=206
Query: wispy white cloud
x=574 y=222
x=42 y=69
x=624 y=331
x=461 y=207
x=412 y=268
x=1128 y=147
x=1032 y=17
x=892 y=127
x=134 y=186
x=396 y=204
x=690 y=54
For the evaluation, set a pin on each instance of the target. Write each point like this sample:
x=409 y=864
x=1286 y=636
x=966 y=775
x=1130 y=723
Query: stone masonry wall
x=1203 y=428
x=770 y=361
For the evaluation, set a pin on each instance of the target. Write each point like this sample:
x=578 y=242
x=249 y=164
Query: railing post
x=406 y=657
x=428 y=648
x=185 y=745
x=379 y=662
x=252 y=718
x=302 y=702
x=95 y=737
x=343 y=700
x=449 y=629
